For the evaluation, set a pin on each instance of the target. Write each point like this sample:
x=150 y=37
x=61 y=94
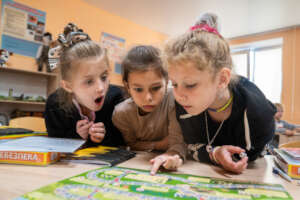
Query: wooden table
x=16 y=180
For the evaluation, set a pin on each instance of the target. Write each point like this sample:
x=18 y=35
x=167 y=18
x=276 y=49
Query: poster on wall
x=115 y=48
x=22 y=28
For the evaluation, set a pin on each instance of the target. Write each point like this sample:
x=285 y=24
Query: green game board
x=123 y=183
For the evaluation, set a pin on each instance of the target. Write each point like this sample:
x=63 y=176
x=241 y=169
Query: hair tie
x=206 y=28
x=71 y=36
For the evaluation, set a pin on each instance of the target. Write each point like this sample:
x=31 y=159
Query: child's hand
x=290 y=132
x=170 y=162
x=82 y=128
x=224 y=154
x=97 y=132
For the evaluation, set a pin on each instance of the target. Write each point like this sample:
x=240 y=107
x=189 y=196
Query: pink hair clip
x=206 y=28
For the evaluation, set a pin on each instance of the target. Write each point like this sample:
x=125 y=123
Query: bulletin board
x=22 y=28
x=115 y=48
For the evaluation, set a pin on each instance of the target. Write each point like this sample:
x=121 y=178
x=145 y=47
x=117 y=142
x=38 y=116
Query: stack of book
x=288 y=159
x=36 y=150
x=40 y=150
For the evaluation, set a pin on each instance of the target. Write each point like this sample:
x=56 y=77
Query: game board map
x=124 y=183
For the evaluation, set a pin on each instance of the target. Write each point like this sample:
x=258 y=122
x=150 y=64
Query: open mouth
x=148 y=106
x=98 y=100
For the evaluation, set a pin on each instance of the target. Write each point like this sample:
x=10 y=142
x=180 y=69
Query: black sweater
x=62 y=124
x=246 y=98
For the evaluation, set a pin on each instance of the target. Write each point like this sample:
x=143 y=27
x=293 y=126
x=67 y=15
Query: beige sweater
x=154 y=126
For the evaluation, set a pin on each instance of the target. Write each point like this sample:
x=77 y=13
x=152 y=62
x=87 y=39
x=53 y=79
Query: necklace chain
x=209 y=142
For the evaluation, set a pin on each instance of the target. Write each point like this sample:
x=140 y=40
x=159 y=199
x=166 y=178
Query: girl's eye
x=89 y=82
x=156 y=88
x=104 y=77
x=191 y=86
x=138 y=89
x=174 y=85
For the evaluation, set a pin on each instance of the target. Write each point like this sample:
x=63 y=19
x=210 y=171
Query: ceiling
x=238 y=17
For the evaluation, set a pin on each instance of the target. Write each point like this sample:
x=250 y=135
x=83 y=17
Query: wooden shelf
x=9 y=69
x=23 y=102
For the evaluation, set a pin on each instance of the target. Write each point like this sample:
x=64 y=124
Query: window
x=268 y=72
x=261 y=64
x=241 y=62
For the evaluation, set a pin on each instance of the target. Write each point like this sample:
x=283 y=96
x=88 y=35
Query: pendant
x=209 y=148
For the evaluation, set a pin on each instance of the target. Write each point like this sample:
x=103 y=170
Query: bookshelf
x=17 y=70
x=52 y=78
x=27 y=81
x=23 y=102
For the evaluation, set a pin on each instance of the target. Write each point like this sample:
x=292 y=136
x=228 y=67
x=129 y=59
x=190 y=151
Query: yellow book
x=28 y=158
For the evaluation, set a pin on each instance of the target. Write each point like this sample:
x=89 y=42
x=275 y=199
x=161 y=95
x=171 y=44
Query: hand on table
x=167 y=161
x=223 y=156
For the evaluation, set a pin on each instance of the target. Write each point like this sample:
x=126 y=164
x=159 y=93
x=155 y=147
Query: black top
x=62 y=124
x=260 y=113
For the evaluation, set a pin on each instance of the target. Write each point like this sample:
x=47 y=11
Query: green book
x=110 y=183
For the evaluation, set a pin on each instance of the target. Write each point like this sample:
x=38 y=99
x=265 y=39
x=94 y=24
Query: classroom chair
x=290 y=144
x=33 y=123
x=4 y=119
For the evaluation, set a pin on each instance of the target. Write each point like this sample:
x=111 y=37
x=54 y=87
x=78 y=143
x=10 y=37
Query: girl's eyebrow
x=153 y=84
x=91 y=75
x=156 y=84
x=136 y=85
x=87 y=76
x=105 y=72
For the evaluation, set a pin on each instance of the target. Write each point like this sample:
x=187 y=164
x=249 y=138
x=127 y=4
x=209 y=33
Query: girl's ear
x=66 y=86
x=126 y=86
x=224 y=78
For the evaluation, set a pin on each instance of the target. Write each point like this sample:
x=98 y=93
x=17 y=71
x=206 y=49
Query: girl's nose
x=100 y=87
x=179 y=95
x=149 y=97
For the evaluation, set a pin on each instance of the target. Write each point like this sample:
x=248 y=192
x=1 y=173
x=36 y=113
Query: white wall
x=273 y=14
x=242 y=17
x=238 y=17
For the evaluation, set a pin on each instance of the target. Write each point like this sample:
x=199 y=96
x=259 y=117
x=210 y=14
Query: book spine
x=292 y=170
x=281 y=164
x=27 y=158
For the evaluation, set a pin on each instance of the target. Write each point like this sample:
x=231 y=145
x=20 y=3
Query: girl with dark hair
x=147 y=118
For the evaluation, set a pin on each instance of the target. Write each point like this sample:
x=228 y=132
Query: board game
x=109 y=183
